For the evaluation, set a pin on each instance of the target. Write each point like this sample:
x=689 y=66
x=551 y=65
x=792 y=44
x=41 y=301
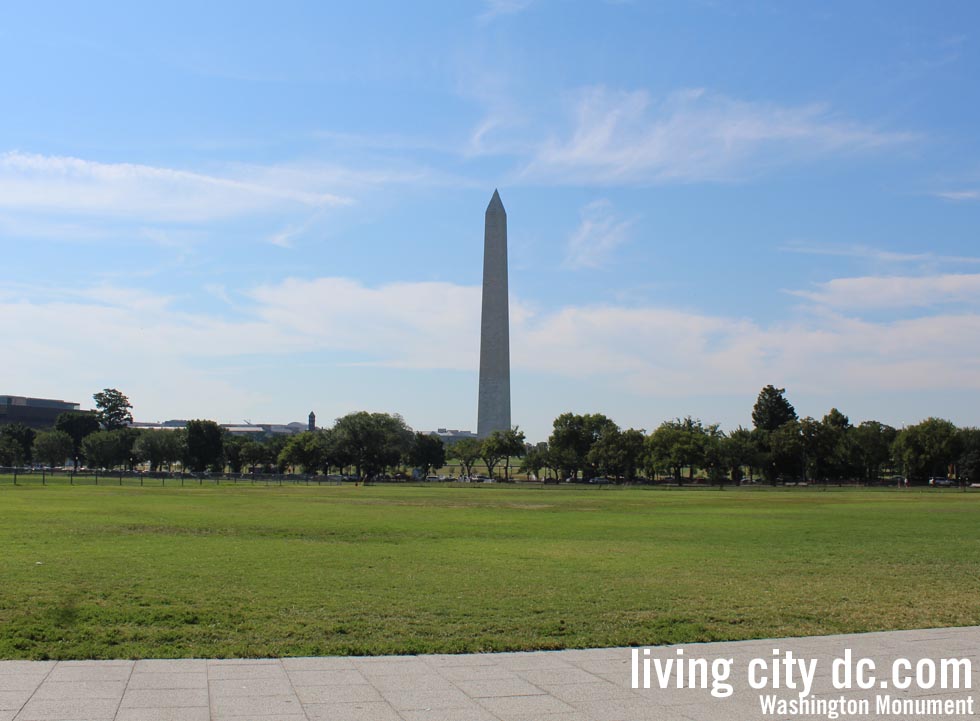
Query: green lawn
x=101 y=572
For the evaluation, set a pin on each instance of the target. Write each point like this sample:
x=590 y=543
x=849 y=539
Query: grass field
x=108 y=572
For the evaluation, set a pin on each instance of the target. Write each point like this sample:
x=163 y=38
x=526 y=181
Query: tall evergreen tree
x=772 y=409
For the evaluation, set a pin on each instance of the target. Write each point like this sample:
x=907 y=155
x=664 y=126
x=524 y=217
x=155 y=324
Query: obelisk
x=493 y=413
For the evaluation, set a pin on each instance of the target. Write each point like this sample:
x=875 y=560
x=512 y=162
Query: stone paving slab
x=574 y=685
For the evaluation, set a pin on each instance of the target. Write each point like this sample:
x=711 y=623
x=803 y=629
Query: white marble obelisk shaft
x=494 y=407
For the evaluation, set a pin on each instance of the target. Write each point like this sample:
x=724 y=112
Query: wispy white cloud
x=220 y=292
x=500 y=129
x=496 y=8
x=873 y=254
x=619 y=137
x=316 y=175
x=379 y=141
x=284 y=238
x=597 y=236
x=14 y=224
x=895 y=292
x=60 y=184
x=960 y=195
x=478 y=144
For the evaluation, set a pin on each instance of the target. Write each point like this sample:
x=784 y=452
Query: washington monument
x=494 y=408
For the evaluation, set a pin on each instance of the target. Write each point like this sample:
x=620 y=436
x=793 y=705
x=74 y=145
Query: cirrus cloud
x=75 y=186
x=631 y=137
x=599 y=233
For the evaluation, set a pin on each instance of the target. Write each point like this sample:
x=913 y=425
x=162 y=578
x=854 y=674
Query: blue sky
x=248 y=211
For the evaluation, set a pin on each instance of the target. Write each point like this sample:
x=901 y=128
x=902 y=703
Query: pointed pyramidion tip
x=495 y=203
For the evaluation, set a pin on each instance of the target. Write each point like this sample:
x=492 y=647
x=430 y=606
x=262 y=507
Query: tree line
x=362 y=444
x=779 y=446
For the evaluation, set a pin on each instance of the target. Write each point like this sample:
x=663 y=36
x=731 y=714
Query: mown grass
x=109 y=572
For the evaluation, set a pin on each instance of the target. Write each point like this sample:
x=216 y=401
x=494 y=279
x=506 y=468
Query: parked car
x=941 y=482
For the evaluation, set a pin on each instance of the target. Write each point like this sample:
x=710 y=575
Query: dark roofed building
x=33 y=412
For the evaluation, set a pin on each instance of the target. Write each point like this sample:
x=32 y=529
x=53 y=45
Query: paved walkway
x=583 y=685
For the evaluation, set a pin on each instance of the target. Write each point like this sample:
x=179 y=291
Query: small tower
x=312 y=425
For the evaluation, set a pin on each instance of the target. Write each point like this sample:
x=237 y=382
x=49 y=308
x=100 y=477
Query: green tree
x=113 y=409
x=128 y=440
x=427 y=453
x=53 y=447
x=179 y=450
x=158 y=448
x=786 y=451
x=605 y=453
x=772 y=413
x=535 y=458
x=872 y=447
x=572 y=438
x=842 y=462
x=205 y=444
x=467 y=452
x=512 y=445
x=107 y=449
x=233 y=451
x=772 y=410
x=553 y=461
x=22 y=437
x=273 y=448
x=372 y=441
x=927 y=449
x=715 y=456
x=254 y=454
x=741 y=450
x=661 y=454
x=493 y=450
x=618 y=454
x=77 y=425
x=11 y=452
x=817 y=446
x=968 y=464
x=678 y=444
x=335 y=455
x=306 y=450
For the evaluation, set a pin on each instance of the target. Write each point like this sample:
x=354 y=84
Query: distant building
x=264 y=430
x=258 y=431
x=33 y=412
x=278 y=429
x=142 y=426
x=165 y=426
x=451 y=435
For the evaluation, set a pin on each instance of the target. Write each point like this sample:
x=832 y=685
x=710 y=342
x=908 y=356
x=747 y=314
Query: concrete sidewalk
x=579 y=685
